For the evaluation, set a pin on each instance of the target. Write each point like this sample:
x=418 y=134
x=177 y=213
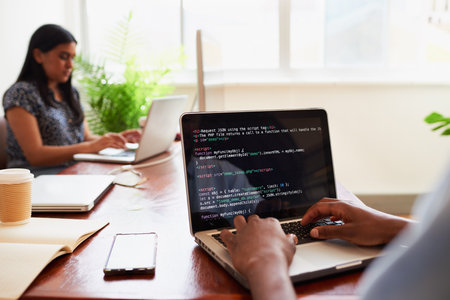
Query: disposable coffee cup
x=15 y=196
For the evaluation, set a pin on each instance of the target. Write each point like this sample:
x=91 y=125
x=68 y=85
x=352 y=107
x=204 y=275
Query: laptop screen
x=270 y=163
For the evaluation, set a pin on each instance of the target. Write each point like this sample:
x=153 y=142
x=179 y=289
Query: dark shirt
x=55 y=122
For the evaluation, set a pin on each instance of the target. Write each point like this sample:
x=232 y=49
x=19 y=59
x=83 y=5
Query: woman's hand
x=132 y=135
x=362 y=224
x=108 y=140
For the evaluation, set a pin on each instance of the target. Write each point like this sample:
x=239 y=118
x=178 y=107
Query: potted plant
x=117 y=101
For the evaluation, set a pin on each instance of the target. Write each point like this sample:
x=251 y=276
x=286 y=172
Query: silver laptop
x=270 y=163
x=157 y=136
x=69 y=193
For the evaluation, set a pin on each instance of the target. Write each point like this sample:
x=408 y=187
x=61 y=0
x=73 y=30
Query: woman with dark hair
x=46 y=124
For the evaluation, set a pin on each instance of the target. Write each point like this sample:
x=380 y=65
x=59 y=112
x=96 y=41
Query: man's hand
x=262 y=253
x=363 y=225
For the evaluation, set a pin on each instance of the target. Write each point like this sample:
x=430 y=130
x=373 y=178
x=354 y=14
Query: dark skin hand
x=262 y=253
x=363 y=225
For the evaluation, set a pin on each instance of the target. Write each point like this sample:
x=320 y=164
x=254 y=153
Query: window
x=247 y=31
x=289 y=34
x=155 y=25
x=306 y=33
x=354 y=32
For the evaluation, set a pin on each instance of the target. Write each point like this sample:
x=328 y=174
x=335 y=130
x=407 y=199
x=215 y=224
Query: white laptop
x=270 y=163
x=157 y=136
x=69 y=193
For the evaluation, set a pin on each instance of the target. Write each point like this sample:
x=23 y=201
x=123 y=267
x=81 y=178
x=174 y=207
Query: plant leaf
x=117 y=101
x=439 y=127
x=434 y=117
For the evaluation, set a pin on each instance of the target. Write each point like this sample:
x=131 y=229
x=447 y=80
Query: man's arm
x=262 y=253
x=363 y=225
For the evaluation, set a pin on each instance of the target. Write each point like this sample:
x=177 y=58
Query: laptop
x=270 y=163
x=158 y=134
x=69 y=193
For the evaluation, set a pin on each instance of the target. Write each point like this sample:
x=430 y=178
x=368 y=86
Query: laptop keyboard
x=125 y=153
x=302 y=232
x=116 y=152
x=294 y=227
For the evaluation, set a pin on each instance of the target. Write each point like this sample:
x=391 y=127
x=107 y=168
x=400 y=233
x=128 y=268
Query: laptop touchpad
x=328 y=254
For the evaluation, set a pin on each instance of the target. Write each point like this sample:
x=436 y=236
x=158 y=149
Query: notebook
x=157 y=136
x=69 y=193
x=271 y=163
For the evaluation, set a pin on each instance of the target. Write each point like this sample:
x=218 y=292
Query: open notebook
x=26 y=249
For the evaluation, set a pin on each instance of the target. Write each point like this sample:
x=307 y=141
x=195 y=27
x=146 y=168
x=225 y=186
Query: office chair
x=3 y=156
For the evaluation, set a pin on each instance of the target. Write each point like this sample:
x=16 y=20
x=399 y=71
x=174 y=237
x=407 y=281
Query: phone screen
x=132 y=253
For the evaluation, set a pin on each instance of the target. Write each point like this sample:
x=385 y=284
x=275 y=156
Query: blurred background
x=378 y=67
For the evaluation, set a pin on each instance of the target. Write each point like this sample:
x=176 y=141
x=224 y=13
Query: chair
x=3 y=156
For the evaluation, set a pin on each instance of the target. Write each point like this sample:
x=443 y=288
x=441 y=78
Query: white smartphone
x=132 y=253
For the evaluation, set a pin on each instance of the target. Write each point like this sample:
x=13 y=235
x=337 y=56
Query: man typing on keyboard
x=262 y=251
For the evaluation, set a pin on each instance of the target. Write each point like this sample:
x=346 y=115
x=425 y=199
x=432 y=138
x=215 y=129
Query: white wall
x=380 y=143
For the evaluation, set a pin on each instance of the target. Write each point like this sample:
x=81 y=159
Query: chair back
x=3 y=156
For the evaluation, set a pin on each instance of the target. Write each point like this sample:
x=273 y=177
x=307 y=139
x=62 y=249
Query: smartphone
x=132 y=253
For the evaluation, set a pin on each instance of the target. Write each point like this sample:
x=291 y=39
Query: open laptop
x=270 y=163
x=157 y=136
x=69 y=193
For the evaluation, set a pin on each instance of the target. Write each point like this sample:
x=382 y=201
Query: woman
x=46 y=124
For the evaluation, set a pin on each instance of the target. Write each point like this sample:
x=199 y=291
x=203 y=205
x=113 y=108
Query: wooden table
x=183 y=269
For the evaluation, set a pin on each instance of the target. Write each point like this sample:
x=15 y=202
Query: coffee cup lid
x=15 y=175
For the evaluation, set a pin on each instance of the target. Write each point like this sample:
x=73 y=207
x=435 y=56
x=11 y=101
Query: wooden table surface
x=183 y=269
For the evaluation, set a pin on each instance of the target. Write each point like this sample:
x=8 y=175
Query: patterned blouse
x=55 y=123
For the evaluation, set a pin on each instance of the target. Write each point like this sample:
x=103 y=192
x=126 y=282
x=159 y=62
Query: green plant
x=117 y=101
x=436 y=118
